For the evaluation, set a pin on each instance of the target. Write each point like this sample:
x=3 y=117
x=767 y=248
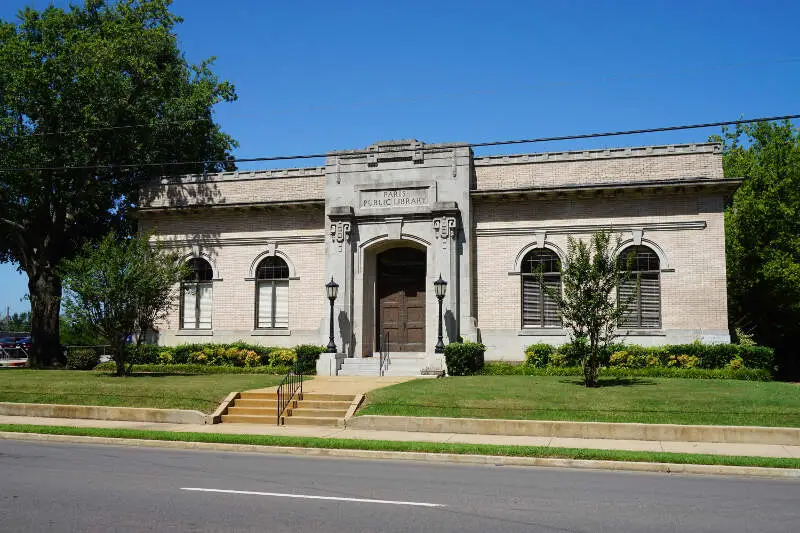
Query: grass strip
x=423 y=447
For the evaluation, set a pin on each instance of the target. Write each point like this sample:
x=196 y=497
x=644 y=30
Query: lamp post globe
x=440 y=289
x=331 y=290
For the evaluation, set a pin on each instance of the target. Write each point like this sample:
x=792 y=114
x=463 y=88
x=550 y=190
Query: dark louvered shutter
x=627 y=295
x=539 y=309
x=531 y=302
x=644 y=307
x=649 y=300
x=551 y=317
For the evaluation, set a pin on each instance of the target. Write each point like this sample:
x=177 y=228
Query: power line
x=476 y=92
x=109 y=128
x=110 y=166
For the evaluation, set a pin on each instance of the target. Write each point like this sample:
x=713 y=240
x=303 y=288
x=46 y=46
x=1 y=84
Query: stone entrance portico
x=399 y=198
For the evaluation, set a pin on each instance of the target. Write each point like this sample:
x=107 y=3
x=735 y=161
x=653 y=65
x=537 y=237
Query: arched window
x=272 y=293
x=644 y=305
x=196 y=295
x=539 y=309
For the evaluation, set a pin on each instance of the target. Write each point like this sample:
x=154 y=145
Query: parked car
x=8 y=342
x=24 y=342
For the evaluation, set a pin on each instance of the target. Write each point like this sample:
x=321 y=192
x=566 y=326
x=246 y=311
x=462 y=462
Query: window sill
x=270 y=333
x=642 y=332
x=195 y=333
x=544 y=332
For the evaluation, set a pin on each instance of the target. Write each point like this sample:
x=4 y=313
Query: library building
x=389 y=245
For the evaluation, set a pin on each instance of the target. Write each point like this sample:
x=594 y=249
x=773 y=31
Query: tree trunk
x=44 y=288
x=590 y=369
x=118 y=354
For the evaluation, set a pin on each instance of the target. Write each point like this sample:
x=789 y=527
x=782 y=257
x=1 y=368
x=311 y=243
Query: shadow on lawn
x=612 y=382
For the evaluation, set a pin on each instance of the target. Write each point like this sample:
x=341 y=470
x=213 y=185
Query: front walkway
x=346 y=384
x=712 y=448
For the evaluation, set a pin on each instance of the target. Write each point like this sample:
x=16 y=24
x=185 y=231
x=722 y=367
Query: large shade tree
x=93 y=99
x=762 y=231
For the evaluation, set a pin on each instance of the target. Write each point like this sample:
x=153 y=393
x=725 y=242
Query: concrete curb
x=96 y=412
x=582 y=430
x=493 y=460
x=216 y=416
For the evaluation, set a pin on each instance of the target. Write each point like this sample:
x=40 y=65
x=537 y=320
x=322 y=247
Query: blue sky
x=320 y=76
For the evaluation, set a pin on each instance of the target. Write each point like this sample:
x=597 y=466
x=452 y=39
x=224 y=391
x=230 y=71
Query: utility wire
x=109 y=166
x=476 y=92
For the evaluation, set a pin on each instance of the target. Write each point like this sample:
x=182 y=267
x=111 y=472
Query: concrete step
x=326 y=413
x=259 y=396
x=256 y=403
x=250 y=419
x=317 y=396
x=262 y=411
x=316 y=404
x=312 y=421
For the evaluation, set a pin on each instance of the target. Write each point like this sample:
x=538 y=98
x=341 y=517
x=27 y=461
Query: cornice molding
x=591 y=228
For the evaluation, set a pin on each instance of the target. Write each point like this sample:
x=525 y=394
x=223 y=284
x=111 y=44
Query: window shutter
x=627 y=294
x=650 y=306
x=281 y=304
x=264 y=305
x=551 y=316
x=204 y=319
x=531 y=303
x=189 y=311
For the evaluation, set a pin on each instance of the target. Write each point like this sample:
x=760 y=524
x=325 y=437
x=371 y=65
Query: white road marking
x=312 y=497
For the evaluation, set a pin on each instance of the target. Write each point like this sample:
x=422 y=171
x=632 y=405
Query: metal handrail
x=384 y=363
x=292 y=382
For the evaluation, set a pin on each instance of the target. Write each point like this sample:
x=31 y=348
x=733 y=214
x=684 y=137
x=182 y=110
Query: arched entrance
x=400 y=298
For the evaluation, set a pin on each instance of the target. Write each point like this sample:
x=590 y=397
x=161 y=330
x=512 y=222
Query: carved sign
x=394 y=198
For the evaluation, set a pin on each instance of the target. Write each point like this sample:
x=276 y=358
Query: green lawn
x=647 y=400
x=201 y=392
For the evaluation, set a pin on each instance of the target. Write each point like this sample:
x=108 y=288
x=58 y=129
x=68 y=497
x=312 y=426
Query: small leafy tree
x=121 y=287
x=588 y=304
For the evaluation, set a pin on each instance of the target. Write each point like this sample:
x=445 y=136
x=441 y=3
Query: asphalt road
x=67 y=487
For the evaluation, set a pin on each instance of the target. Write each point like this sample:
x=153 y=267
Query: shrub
x=619 y=359
x=501 y=368
x=575 y=351
x=464 y=358
x=694 y=355
x=504 y=368
x=538 y=355
x=282 y=357
x=83 y=358
x=557 y=360
x=758 y=357
x=307 y=355
x=199 y=369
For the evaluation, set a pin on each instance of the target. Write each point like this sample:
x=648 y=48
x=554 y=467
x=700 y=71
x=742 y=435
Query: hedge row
x=199 y=369
x=501 y=368
x=240 y=355
x=632 y=356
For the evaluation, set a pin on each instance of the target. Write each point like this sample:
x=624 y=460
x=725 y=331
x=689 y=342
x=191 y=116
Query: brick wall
x=556 y=169
x=232 y=241
x=693 y=292
x=289 y=185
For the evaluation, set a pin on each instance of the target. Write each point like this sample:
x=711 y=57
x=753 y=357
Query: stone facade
x=474 y=218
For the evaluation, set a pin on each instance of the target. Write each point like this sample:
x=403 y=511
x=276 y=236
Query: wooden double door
x=401 y=299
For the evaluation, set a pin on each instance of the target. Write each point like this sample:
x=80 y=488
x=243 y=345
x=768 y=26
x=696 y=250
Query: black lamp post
x=440 y=287
x=331 y=289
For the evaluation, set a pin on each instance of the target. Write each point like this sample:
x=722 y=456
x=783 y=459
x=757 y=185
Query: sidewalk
x=754 y=450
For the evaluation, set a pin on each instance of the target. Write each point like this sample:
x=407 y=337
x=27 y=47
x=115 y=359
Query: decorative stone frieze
x=340 y=233
x=444 y=229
